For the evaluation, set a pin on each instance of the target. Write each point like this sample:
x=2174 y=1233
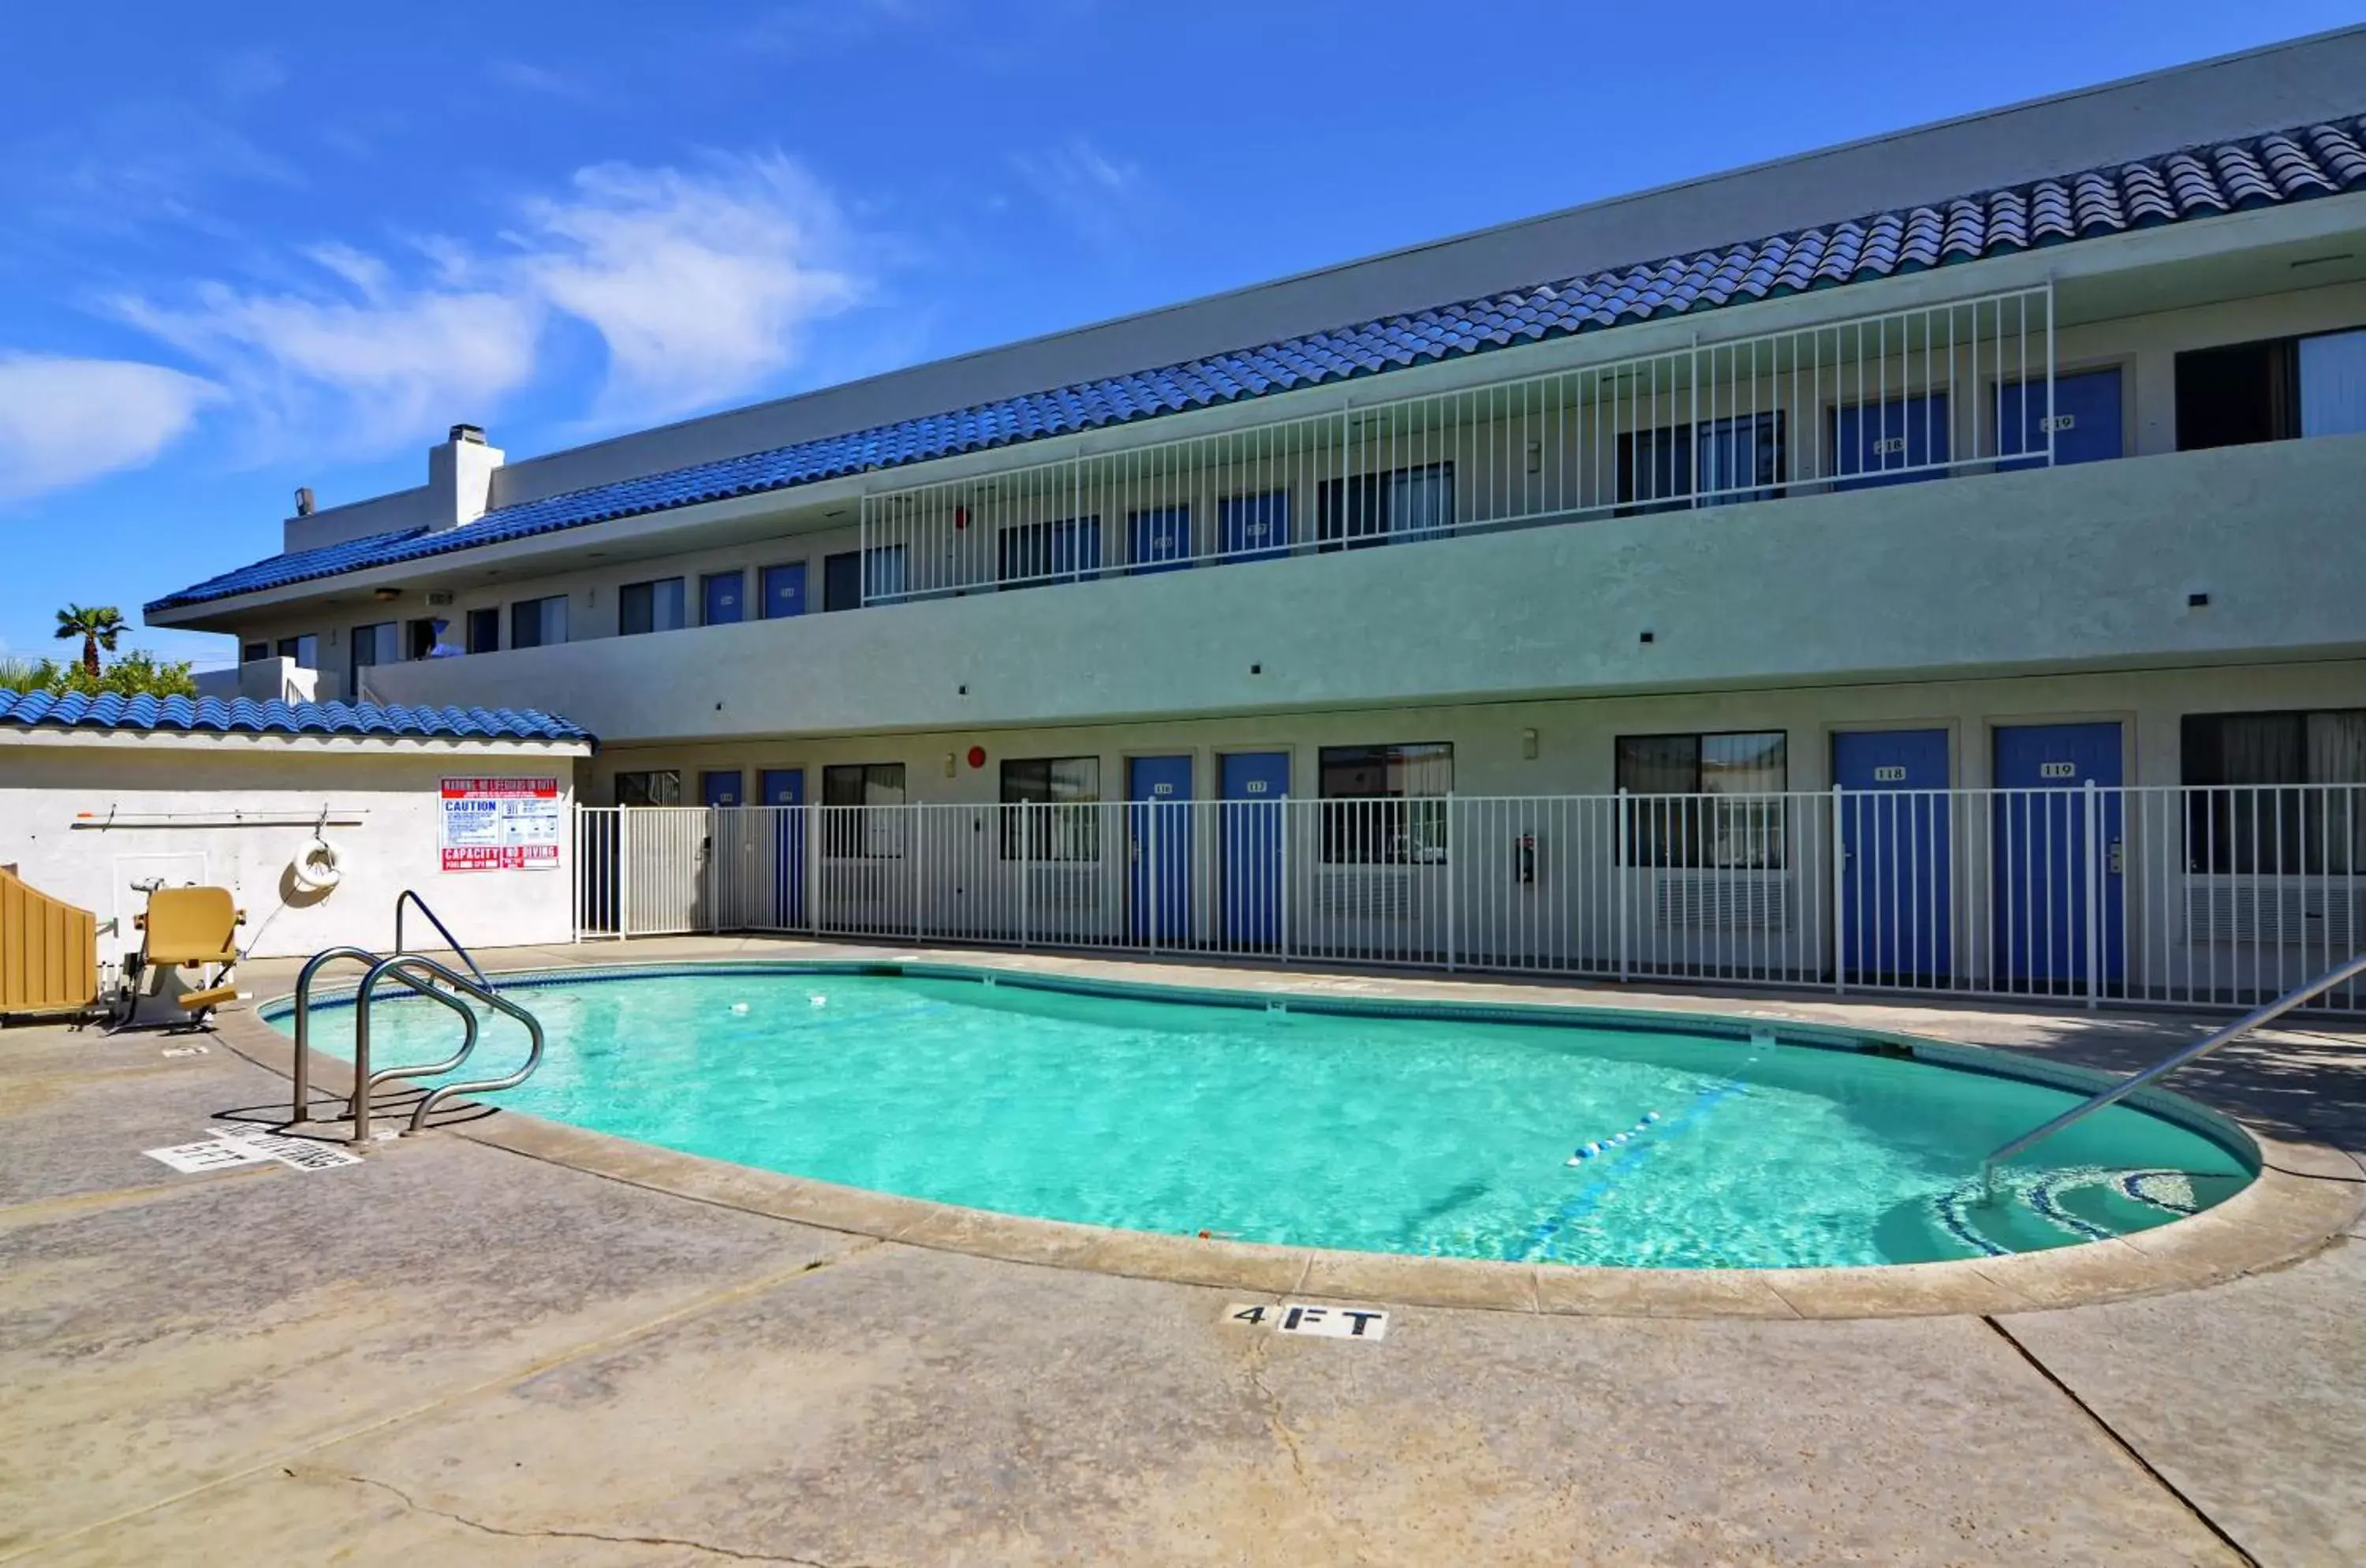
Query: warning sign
x=500 y=824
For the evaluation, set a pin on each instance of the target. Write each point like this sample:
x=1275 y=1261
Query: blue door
x=1897 y=885
x=723 y=596
x=1871 y=439
x=1254 y=527
x=1159 y=823
x=1255 y=785
x=786 y=786
x=784 y=589
x=721 y=788
x=2086 y=420
x=2044 y=862
x=1162 y=539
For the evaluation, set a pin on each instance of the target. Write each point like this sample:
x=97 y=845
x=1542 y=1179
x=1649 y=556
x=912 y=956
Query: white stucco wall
x=51 y=782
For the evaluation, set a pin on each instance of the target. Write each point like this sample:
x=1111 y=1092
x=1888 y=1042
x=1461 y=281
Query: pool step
x=2034 y=1212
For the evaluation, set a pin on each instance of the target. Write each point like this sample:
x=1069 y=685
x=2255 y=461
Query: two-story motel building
x=2027 y=450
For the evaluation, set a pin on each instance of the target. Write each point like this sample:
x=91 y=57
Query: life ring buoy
x=318 y=866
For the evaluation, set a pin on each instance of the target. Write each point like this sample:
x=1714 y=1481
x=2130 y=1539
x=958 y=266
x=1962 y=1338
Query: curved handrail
x=301 y=1091
x=410 y=896
x=364 y=1081
x=402 y=965
x=489 y=1086
x=2349 y=970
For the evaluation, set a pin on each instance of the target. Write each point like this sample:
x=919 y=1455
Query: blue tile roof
x=2197 y=182
x=142 y=716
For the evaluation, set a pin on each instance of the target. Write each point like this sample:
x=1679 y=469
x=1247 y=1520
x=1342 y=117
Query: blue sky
x=247 y=248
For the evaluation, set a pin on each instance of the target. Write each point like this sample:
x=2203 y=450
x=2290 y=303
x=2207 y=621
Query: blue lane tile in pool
x=1390 y=1134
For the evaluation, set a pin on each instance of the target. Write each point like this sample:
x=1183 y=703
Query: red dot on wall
x=977 y=756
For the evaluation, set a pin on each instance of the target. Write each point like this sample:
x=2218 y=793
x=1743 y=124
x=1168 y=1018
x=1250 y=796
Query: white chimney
x=460 y=478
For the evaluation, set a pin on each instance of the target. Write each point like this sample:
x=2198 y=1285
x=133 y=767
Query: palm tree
x=98 y=626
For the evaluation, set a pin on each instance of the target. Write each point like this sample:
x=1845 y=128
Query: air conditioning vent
x=2319 y=913
x=1374 y=895
x=1722 y=900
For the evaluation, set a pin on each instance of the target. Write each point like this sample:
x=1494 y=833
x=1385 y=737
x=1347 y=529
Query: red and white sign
x=500 y=824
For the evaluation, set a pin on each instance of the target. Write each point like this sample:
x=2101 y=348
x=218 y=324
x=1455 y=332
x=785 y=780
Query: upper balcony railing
x=1963 y=387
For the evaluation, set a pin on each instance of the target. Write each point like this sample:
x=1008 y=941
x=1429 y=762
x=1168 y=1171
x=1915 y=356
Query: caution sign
x=500 y=824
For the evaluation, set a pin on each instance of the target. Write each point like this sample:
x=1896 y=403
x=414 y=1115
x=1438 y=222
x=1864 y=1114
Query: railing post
x=1284 y=895
x=1451 y=862
x=809 y=863
x=2094 y=798
x=1026 y=874
x=1622 y=895
x=1839 y=898
x=1149 y=880
x=623 y=874
x=711 y=873
x=919 y=841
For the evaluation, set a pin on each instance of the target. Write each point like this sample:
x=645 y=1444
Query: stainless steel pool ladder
x=2349 y=969
x=422 y=975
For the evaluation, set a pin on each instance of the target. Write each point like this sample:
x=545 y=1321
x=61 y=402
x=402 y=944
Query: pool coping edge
x=2295 y=1205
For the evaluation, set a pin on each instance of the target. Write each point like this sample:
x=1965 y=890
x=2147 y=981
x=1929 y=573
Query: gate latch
x=2115 y=857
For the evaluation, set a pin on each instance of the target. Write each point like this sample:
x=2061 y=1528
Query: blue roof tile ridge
x=2200 y=180
x=144 y=714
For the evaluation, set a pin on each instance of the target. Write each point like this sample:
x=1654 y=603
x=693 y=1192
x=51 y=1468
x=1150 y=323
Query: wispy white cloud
x=703 y=284
x=1096 y=195
x=356 y=379
x=65 y=421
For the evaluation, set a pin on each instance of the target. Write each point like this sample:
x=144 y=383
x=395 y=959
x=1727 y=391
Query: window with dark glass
x=1030 y=554
x=1714 y=463
x=2239 y=393
x=1706 y=800
x=857 y=820
x=853 y=578
x=659 y=786
x=1063 y=821
x=253 y=651
x=1364 y=510
x=2277 y=793
x=304 y=649
x=485 y=631
x=430 y=637
x=538 y=623
x=377 y=643
x=654 y=606
x=1385 y=805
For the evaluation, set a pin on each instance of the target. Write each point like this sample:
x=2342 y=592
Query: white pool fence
x=2186 y=895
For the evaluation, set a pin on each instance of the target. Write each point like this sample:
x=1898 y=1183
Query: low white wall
x=55 y=791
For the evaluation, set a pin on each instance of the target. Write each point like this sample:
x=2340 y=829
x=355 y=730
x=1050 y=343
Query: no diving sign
x=1304 y=1317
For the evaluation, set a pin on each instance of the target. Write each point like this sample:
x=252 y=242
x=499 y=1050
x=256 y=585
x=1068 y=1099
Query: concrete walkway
x=450 y=1353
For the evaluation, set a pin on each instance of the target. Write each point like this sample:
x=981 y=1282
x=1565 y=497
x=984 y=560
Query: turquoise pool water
x=1419 y=1134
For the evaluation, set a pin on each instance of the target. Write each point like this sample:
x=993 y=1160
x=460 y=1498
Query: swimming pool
x=1524 y=1133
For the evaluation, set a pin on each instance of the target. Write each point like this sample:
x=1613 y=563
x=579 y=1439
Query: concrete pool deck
x=449 y=1353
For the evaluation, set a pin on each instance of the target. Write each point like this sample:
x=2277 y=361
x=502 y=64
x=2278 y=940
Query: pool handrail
x=403 y=967
x=410 y=896
x=301 y=1088
x=2349 y=969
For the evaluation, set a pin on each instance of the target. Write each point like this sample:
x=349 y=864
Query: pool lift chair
x=186 y=927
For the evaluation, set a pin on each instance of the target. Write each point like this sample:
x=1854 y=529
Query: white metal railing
x=1961 y=387
x=2187 y=896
